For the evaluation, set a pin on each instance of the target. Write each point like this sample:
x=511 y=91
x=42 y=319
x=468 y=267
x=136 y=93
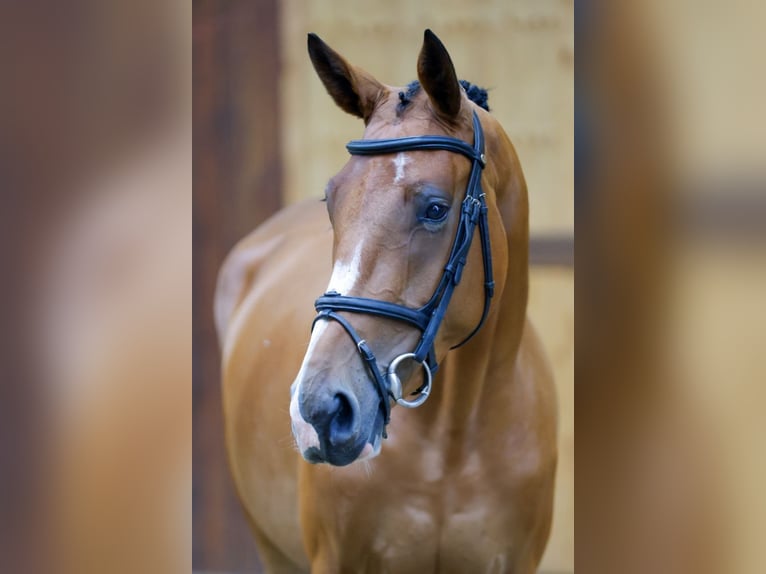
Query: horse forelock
x=476 y=94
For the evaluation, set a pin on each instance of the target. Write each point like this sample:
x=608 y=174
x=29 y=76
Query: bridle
x=429 y=317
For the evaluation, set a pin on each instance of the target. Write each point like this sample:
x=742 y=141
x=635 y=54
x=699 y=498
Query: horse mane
x=476 y=94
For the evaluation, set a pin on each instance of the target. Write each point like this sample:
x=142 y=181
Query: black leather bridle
x=429 y=317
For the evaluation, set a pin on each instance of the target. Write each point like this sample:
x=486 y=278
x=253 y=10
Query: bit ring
x=395 y=384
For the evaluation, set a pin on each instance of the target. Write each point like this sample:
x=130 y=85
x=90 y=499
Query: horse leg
x=323 y=567
x=323 y=563
x=272 y=558
x=535 y=531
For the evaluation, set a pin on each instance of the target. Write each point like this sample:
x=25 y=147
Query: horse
x=421 y=244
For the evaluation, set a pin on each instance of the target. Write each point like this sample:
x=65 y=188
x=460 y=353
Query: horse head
x=396 y=218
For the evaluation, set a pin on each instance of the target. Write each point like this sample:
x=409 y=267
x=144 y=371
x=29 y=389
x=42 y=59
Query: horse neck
x=465 y=372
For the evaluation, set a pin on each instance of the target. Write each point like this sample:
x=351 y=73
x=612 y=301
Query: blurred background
x=670 y=173
x=95 y=325
x=266 y=134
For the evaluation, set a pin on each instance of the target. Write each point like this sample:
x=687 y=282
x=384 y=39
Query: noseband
x=429 y=317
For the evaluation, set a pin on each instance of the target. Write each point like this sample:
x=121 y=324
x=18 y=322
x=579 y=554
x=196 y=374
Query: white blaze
x=344 y=277
x=400 y=161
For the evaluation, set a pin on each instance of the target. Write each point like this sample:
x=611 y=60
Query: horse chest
x=461 y=534
x=424 y=520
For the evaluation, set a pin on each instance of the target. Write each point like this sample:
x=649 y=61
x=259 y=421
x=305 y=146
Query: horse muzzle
x=332 y=426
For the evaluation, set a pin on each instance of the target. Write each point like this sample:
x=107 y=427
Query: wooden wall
x=237 y=182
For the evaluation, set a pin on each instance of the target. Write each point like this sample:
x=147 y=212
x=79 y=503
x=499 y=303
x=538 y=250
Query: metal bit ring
x=395 y=384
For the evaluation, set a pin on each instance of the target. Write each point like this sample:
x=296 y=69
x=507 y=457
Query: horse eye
x=436 y=212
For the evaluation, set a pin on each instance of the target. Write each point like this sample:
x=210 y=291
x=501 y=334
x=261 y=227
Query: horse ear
x=437 y=76
x=353 y=89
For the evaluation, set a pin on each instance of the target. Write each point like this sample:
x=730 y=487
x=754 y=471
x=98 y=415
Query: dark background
x=234 y=42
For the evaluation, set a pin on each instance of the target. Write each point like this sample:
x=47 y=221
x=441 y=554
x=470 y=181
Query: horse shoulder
x=236 y=277
x=264 y=293
x=515 y=460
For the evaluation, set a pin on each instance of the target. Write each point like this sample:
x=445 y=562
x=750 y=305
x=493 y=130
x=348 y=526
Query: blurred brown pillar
x=237 y=185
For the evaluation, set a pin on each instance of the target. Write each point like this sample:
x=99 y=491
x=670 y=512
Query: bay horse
x=425 y=247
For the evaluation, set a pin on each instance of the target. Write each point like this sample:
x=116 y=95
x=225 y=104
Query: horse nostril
x=342 y=424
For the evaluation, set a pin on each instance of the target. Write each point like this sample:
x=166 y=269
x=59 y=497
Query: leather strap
x=335 y=301
x=368 y=357
x=415 y=143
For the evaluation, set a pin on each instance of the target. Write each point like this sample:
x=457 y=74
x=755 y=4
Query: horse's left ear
x=437 y=76
x=354 y=90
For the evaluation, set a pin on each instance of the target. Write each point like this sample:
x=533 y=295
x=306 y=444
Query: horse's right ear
x=353 y=89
